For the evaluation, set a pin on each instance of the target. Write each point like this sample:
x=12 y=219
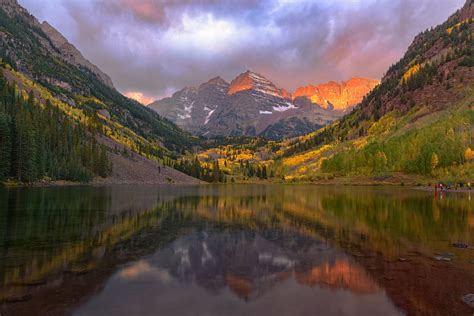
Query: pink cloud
x=147 y=10
x=140 y=97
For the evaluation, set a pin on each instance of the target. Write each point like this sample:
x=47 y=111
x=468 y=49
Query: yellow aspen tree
x=434 y=161
x=469 y=154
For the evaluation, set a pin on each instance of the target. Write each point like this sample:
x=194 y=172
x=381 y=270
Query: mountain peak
x=215 y=84
x=217 y=81
x=250 y=80
x=10 y=3
x=254 y=76
x=12 y=8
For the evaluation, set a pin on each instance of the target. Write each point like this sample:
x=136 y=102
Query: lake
x=234 y=250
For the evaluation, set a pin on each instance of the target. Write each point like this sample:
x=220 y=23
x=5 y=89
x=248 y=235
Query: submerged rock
x=441 y=258
x=468 y=299
x=460 y=245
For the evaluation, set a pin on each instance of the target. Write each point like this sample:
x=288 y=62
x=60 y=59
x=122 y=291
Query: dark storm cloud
x=157 y=46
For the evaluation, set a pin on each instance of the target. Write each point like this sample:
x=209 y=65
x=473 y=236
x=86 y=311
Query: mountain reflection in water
x=238 y=272
x=233 y=250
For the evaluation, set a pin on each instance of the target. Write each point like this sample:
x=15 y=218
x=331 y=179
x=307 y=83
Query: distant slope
x=419 y=120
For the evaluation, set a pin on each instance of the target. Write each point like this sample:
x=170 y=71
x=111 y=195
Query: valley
x=415 y=126
x=326 y=168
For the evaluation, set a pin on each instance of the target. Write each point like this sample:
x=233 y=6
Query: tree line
x=196 y=169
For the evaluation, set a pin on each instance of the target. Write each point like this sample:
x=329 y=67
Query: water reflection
x=227 y=272
x=233 y=250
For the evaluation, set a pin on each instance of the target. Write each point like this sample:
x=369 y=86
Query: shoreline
x=431 y=189
x=61 y=183
x=102 y=184
x=414 y=183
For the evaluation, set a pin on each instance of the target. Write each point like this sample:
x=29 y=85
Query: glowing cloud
x=140 y=97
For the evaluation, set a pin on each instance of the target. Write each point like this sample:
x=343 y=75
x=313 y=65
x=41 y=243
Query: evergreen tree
x=5 y=146
x=25 y=148
x=264 y=172
x=42 y=141
x=103 y=163
x=216 y=174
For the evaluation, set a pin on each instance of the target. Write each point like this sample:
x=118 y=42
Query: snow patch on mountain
x=189 y=108
x=283 y=108
x=269 y=92
x=209 y=114
x=183 y=117
x=264 y=85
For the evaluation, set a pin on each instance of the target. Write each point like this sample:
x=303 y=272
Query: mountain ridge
x=55 y=42
x=340 y=96
x=253 y=105
x=72 y=54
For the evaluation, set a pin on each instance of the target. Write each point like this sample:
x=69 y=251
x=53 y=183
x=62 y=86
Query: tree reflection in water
x=250 y=242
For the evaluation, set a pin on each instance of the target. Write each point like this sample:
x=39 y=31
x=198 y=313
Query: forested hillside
x=40 y=141
x=418 y=124
x=62 y=119
x=28 y=49
x=419 y=120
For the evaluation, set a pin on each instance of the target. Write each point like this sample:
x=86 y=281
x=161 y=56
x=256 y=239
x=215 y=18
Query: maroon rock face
x=340 y=96
x=253 y=81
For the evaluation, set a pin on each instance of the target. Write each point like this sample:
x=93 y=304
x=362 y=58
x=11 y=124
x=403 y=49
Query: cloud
x=155 y=47
x=140 y=97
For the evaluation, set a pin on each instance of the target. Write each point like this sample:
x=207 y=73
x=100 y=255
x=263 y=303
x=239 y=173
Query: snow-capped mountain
x=252 y=81
x=250 y=105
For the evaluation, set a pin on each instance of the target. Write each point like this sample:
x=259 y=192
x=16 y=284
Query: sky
x=152 y=48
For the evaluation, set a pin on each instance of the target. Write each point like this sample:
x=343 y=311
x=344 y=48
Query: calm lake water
x=234 y=250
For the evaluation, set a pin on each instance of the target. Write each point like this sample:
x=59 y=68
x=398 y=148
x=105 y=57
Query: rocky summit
x=252 y=105
x=252 y=81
